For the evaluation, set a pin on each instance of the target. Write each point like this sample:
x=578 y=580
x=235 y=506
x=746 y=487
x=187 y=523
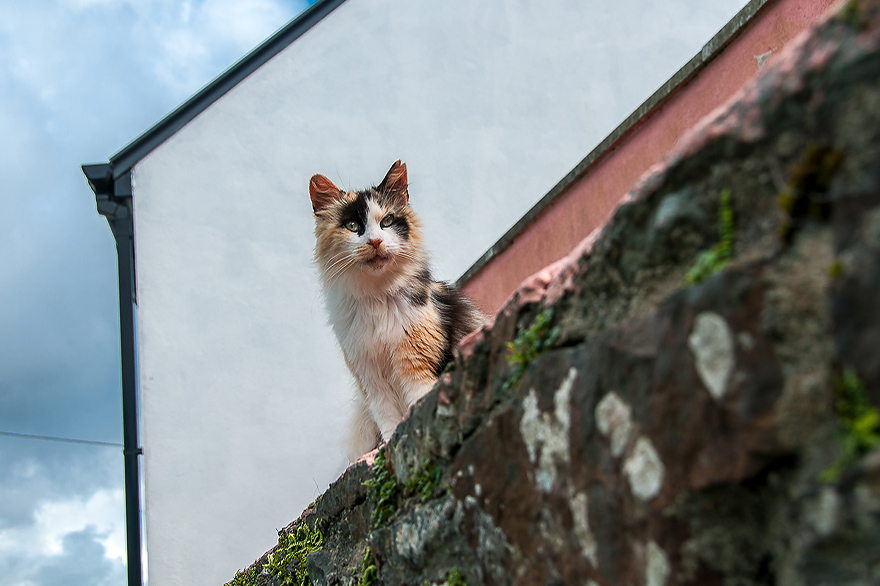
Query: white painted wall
x=243 y=391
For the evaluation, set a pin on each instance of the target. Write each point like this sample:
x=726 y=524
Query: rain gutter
x=113 y=200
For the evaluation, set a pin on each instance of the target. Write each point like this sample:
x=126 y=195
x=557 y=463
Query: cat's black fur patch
x=418 y=293
x=453 y=308
x=424 y=277
x=393 y=201
x=356 y=211
x=418 y=297
x=401 y=226
x=388 y=198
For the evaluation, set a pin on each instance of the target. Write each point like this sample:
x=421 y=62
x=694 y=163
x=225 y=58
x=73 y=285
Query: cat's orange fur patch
x=422 y=347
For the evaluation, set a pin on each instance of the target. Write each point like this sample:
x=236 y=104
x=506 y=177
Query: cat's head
x=366 y=240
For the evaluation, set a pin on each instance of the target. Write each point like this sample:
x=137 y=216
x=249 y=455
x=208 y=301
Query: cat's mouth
x=378 y=261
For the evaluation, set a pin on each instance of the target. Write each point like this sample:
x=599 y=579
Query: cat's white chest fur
x=363 y=325
x=370 y=332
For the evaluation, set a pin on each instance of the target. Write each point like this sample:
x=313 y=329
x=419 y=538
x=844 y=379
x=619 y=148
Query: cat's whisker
x=341 y=262
x=341 y=258
x=404 y=254
x=339 y=270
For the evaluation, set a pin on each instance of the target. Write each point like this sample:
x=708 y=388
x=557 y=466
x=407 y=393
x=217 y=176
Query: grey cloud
x=82 y=563
x=34 y=473
x=80 y=79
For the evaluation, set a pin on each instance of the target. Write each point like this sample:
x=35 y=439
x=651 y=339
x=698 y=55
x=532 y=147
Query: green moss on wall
x=382 y=490
x=369 y=570
x=806 y=193
x=858 y=423
x=288 y=560
x=424 y=482
x=716 y=258
x=530 y=343
x=246 y=577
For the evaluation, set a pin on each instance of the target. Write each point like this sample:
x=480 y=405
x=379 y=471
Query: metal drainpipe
x=113 y=200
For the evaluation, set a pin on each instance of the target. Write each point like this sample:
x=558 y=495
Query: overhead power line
x=61 y=439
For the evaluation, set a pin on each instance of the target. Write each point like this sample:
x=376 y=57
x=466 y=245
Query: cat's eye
x=387 y=221
x=352 y=226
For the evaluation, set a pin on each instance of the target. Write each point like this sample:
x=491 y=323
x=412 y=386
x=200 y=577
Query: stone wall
x=629 y=420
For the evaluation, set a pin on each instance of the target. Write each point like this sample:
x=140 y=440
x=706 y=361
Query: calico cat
x=397 y=327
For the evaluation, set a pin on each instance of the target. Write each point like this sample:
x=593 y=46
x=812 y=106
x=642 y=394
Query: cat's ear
x=323 y=192
x=395 y=182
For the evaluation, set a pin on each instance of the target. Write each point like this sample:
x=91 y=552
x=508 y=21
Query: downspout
x=113 y=200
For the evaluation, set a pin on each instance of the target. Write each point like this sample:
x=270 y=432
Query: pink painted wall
x=592 y=198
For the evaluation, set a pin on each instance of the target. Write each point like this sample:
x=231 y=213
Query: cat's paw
x=369 y=457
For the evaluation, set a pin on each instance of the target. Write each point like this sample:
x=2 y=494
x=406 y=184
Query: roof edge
x=707 y=53
x=128 y=156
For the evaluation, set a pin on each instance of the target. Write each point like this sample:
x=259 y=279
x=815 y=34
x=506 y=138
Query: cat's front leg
x=385 y=408
x=380 y=398
x=390 y=412
x=387 y=416
x=415 y=390
x=363 y=433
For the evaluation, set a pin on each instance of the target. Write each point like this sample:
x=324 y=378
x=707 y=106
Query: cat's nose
x=375 y=243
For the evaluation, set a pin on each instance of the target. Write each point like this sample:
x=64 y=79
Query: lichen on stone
x=656 y=565
x=580 y=513
x=546 y=435
x=711 y=343
x=614 y=420
x=644 y=470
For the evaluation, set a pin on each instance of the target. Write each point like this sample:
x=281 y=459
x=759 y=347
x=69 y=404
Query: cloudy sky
x=79 y=79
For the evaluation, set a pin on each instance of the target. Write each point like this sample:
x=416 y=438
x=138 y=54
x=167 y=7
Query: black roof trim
x=681 y=78
x=125 y=159
x=100 y=177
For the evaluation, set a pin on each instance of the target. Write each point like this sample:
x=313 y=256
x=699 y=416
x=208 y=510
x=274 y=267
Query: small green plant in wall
x=530 y=343
x=858 y=423
x=288 y=560
x=716 y=258
x=369 y=570
x=382 y=491
x=455 y=578
x=245 y=577
x=805 y=195
x=424 y=482
x=854 y=14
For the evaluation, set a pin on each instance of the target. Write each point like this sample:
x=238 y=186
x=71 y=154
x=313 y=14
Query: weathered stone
x=656 y=565
x=580 y=513
x=712 y=344
x=673 y=435
x=547 y=434
x=614 y=420
x=645 y=470
x=320 y=567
